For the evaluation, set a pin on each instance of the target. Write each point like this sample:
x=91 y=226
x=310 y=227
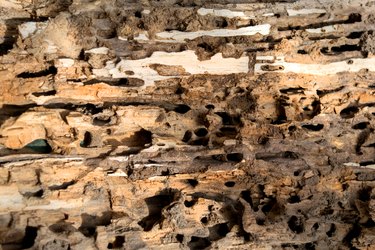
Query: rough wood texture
x=187 y=124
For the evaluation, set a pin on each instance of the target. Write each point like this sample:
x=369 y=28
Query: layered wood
x=187 y=124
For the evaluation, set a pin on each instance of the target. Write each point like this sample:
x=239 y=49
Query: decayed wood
x=187 y=124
